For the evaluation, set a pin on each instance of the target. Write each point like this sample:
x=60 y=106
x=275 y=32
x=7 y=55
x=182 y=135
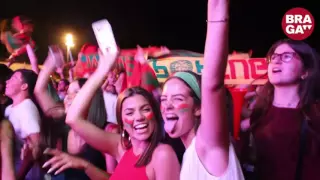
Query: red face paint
x=183 y=107
x=162 y=108
x=128 y=121
x=149 y=116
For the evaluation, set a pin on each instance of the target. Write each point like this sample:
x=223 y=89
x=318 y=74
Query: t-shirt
x=25 y=119
x=110 y=101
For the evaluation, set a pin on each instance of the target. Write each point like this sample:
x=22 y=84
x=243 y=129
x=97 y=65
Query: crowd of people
x=116 y=121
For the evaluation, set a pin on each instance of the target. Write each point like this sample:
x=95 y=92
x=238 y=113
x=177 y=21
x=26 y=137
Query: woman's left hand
x=62 y=161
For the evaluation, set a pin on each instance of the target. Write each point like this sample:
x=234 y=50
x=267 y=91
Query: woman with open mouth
x=198 y=116
x=138 y=149
x=284 y=123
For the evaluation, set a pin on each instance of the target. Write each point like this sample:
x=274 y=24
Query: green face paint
x=182 y=108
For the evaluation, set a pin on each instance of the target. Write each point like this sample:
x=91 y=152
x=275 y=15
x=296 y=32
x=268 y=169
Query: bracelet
x=218 y=21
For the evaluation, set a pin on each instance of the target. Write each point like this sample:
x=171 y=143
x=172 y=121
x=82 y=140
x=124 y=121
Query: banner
x=241 y=69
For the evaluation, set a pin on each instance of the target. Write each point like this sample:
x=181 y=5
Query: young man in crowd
x=25 y=118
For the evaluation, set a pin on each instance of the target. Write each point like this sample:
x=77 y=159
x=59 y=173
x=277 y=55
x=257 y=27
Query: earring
x=123 y=136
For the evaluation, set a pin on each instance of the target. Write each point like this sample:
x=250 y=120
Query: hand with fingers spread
x=62 y=161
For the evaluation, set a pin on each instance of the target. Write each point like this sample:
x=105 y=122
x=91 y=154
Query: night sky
x=178 y=24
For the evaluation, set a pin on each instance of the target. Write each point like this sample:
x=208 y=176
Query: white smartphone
x=104 y=35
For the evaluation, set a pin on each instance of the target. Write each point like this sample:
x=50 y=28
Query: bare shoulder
x=165 y=163
x=163 y=152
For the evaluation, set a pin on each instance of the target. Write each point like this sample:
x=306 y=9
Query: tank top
x=126 y=168
x=192 y=167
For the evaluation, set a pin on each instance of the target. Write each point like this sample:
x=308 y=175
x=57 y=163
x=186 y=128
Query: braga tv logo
x=298 y=23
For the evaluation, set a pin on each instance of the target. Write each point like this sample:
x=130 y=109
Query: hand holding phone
x=57 y=55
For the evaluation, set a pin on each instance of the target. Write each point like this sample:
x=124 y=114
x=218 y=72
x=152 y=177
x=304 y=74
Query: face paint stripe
x=183 y=108
x=149 y=116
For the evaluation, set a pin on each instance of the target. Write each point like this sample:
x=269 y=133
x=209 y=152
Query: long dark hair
x=309 y=88
x=97 y=114
x=157 y=135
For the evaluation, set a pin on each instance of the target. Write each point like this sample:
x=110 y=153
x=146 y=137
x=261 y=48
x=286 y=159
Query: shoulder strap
x=302 y=149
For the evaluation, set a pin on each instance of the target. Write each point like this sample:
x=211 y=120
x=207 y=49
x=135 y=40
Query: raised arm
x=76 y=118
x=33 y=58
x=48 y=105
x=212 y=136
x=7 y=139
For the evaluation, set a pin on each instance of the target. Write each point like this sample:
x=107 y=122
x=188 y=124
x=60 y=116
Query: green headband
x=191 y=80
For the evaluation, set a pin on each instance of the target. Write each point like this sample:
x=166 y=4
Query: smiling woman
x=138 y=149
x=141 y=121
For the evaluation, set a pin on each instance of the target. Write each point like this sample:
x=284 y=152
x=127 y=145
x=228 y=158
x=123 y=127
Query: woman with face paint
x=137 y=149
x=198 y=116
x=285 y=122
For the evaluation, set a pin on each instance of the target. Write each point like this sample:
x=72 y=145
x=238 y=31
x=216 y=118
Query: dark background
x=177 y=24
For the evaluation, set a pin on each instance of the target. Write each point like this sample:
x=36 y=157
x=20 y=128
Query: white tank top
x=193 y=169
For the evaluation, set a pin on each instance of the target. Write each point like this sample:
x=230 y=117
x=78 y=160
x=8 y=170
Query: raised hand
x=106 y=61
x=139 y=56
x=54 y=59
x=62 y=161
x=218 y=10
